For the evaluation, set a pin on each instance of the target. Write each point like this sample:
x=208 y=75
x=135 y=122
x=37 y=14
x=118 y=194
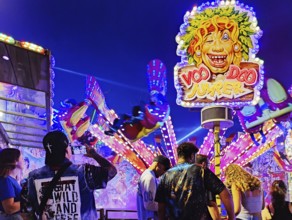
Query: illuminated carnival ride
x=218 y=71
x=206 y=78
x=122 y=133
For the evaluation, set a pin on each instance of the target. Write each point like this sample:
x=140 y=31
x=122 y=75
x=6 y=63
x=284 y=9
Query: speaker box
x=212 y=116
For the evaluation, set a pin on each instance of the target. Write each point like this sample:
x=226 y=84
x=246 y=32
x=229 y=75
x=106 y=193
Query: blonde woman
x=246 y=192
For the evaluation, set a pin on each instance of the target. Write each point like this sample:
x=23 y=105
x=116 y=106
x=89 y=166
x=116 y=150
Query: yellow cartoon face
x=217 y=51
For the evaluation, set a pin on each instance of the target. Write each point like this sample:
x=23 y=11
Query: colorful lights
x=169 y=140
x=138 y=153
x=194 y=89
x=290 y=91
x=26 y=45
x=32 y=47
x=243 y=150
x=7 y=39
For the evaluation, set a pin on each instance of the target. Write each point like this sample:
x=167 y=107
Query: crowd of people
x=58 y=190
x=186 y=191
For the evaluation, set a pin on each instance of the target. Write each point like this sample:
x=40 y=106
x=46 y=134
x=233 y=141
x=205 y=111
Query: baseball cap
x=55 y=144
x=162 y=160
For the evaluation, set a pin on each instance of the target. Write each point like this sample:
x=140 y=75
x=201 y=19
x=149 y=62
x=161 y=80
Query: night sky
x=115 y=39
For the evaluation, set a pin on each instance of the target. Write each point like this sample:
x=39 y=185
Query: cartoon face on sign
x=218 y=43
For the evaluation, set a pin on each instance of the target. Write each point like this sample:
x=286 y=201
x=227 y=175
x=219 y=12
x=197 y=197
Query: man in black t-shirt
x=203 y=160
x=181 y=193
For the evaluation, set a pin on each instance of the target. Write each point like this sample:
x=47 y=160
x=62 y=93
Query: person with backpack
x=62 y=190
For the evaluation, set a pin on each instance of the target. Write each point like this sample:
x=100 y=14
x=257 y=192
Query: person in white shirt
x=147 y=185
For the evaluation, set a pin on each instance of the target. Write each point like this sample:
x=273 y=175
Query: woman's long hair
x=8 y=160
x=278 y=193
x=242 y=179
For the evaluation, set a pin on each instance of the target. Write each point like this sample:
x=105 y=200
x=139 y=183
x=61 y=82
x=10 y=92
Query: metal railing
x=117 y=214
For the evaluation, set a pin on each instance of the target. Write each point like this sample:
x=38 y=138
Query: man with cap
x=72 y=196
x=147 y=185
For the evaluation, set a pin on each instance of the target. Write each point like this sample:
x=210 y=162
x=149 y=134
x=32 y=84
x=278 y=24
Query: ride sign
x=218 y=43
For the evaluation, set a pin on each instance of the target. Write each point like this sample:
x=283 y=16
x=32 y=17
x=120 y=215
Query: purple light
x=5 y=57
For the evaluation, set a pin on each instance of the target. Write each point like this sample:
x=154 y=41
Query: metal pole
x=217 y=160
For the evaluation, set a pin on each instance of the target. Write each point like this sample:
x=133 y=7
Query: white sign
x=64 y=203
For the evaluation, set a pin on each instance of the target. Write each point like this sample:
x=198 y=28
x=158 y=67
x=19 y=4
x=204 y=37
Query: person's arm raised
x=91 y=152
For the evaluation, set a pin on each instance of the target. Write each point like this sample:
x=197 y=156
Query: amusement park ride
x=265 y=121
x=126 y=142
x=224 y=85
